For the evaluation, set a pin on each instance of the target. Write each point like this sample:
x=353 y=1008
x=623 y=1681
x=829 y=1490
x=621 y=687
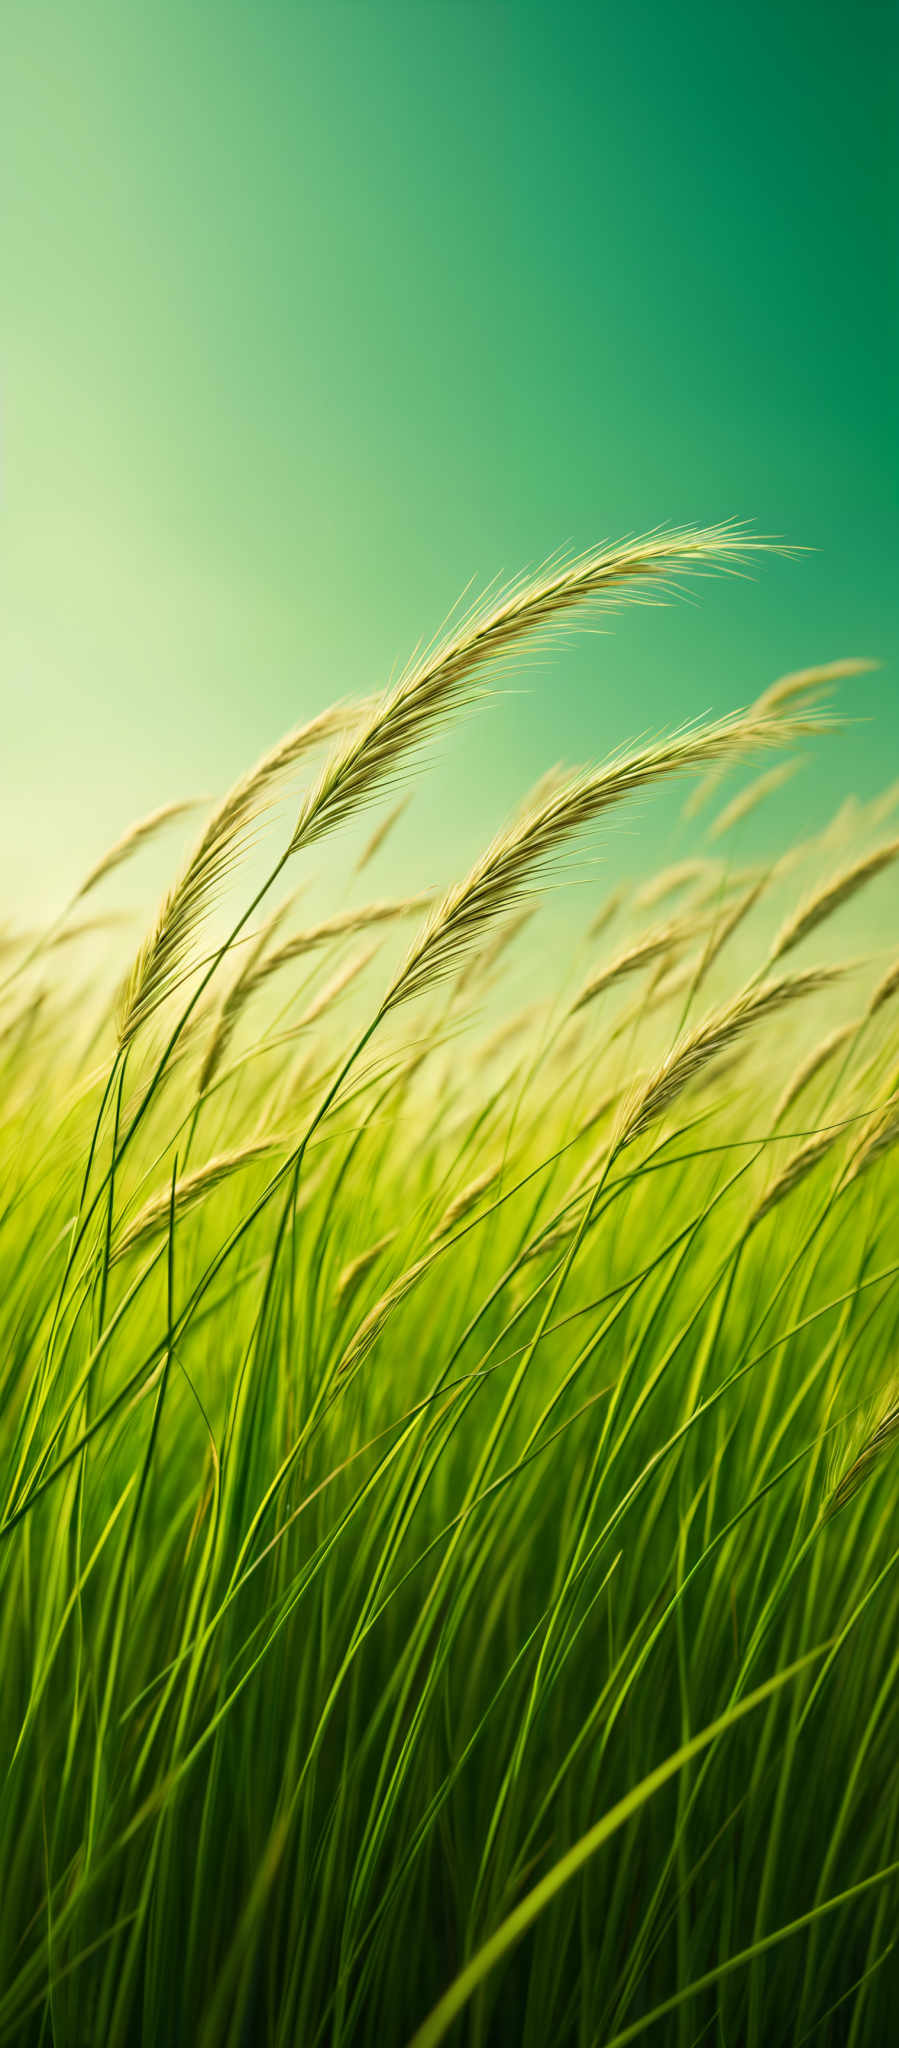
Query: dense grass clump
x=448 y=1546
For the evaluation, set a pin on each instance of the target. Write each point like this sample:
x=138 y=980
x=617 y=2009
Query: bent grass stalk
x=432 y=689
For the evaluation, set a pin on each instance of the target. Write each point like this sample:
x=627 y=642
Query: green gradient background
x=314 y=312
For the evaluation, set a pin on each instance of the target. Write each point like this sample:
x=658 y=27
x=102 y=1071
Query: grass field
x=448 y=1567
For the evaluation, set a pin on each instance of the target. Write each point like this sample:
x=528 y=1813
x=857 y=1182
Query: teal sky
x=315 y=312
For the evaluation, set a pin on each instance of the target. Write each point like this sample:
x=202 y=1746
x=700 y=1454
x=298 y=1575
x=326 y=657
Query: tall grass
x=448 y=1548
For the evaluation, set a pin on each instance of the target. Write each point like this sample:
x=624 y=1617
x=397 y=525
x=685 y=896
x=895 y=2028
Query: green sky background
x=315 y=312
